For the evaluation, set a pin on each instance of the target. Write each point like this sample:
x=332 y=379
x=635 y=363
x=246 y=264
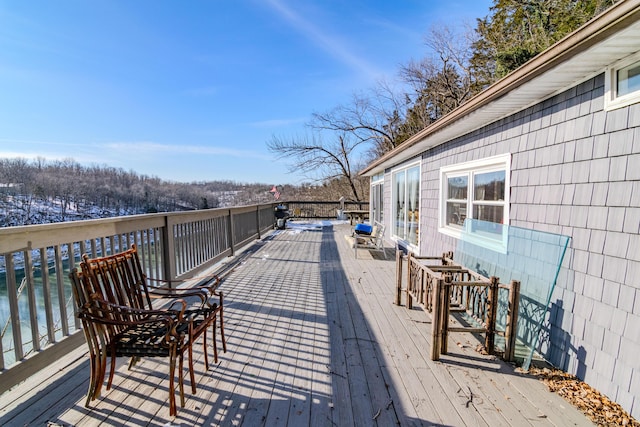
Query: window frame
x=376 y=193
x=394 y=202
x=611 y=99
x=469 y=170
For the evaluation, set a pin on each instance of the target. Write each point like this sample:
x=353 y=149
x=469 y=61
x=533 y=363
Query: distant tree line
x=40 y=191
x=459 y=64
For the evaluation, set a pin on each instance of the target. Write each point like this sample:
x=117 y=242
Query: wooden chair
x=115 y=306
x=374 y=241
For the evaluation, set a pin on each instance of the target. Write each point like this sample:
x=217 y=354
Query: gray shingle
x=631 y=220
x=597 y=217
x=618 y=321
x=617 y=120
x=599 y=170
x=554 y=174
x=636 y=140
x=581 y=172
x=615 y=269
x=579 y=217
x=616 y=244
x=596 y=241
x=635 y=193
x=611 y=293
x=584 y=149
x=621 y=142
x=618 y=168
x=567 y=194
x=600 y=146
x=634 y=115
x=582 y=127
x=580 y=238
x=633 y=251
x=599 y=193
x=582 y=194
x=605 y=364
x=620 y=193
x=569 y=151
x=599 y=118
x=594 y=271
x=615 y=220
x=633 y=167
x=567 y=173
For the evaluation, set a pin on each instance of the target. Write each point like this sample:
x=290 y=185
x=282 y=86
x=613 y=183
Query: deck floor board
x=313 y=339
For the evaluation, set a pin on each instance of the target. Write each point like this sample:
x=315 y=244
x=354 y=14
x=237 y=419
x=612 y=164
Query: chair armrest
x=99 y=304
x=213 y=280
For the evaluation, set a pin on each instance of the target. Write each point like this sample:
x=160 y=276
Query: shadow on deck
x=313 y=339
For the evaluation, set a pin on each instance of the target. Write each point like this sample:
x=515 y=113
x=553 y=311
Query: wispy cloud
x=154 y=147
x=329 y=43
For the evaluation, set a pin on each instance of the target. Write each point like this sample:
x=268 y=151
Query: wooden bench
x=374 y=241
x=114 y=302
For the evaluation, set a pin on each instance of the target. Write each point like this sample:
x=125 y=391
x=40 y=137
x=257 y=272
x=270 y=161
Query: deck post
x=492 y=308
x=445 y=309
x=511 y=331
x=409 y=280
x=399 y=257
x=231 y=233
x=436 y=332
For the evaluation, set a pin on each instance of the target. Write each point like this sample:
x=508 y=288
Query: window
x=479 y=190
x=377 y=198
x=406 y=204
x=622 y=83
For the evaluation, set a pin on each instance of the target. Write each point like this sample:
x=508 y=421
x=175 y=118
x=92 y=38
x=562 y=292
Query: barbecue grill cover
x=363 y=229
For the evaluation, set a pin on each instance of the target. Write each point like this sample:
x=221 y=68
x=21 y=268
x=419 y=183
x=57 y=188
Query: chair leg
x=113 y=368
x=95 y=373
x=224 y=340
x=204 y=349
x=192 y=376
x=181 y=378
x=172 y=370
x=215 y=342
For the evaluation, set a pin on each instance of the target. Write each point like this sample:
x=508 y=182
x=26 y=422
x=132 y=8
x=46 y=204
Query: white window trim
x=392 y=213
x=611 y=99
x=488 y=164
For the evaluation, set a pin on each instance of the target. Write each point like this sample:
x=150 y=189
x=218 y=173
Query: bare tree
x=322 y=160
x=374 y=117
x=441 y=81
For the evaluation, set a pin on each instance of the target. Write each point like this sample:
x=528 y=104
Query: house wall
x=575 y=171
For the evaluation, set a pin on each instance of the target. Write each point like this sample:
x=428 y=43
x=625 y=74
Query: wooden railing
x=322 y=210
x=35 y=262
x=442 y=287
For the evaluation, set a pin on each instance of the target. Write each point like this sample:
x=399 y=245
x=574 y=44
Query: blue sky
x=192 y=90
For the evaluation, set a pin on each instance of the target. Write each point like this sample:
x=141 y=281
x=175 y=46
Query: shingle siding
x=575 y=170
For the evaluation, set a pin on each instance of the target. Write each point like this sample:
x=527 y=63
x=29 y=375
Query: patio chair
x=373 y=241
x=115 y=305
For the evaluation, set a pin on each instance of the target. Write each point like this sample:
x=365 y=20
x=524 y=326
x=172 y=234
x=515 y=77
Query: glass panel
x=457 y=187
x=488 y=213
x=399 y=188
x=413 y=204
x=489 y=186
x=628 y=79
x=532 y=257
x=381 y=203
x=456 y=213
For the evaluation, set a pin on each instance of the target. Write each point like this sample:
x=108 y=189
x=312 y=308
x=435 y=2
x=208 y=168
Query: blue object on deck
x=363 y=229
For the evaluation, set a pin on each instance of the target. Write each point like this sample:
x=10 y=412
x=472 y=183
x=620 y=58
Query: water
x=6 y=326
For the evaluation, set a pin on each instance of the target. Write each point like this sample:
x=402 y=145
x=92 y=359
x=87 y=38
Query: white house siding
x=575 y=171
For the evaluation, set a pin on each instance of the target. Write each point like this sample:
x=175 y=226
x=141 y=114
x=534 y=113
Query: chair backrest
x=378 y=233
x=118 y=278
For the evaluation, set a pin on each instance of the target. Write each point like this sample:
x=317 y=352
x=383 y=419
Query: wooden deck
x=313 y=339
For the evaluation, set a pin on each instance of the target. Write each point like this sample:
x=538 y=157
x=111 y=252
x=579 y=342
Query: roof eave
x=611 y=21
